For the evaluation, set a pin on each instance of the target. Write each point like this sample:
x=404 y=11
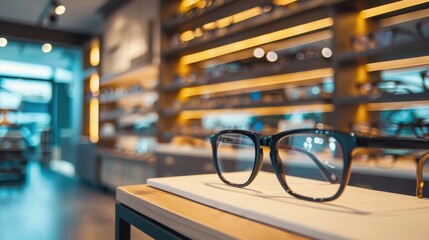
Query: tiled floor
x=50 y=206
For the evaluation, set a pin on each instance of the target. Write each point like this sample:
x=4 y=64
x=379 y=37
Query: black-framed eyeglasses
x=310 y=164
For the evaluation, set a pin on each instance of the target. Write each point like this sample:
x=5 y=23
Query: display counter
x=190 y=206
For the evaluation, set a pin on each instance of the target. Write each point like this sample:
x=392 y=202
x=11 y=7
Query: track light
x=3 y=42
x=51 y=12
x=46 y=48
x=60 y=9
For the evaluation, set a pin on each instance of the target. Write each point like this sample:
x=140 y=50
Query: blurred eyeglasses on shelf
x=318 y=91
x=419 y=128
x=382 y=38
x=395 y=87
x=366 y=128
x=381 y=159
x=423 y=28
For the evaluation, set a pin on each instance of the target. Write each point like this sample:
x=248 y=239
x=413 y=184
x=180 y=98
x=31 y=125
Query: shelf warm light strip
x=93 y=120
x=397 y=105
x=283 y=2
x=261 y=82
x=282 y=45
x=400 y=63
x=391 y=7
x=261 y=111
x=256 y=41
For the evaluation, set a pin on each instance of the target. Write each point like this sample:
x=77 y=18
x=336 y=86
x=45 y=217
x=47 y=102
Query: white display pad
x=357 y=214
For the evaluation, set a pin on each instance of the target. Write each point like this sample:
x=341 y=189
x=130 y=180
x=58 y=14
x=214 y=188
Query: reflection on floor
x=50 y=206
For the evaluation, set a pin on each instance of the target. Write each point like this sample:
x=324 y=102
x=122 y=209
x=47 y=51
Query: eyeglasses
x=420 y=128
x=310 y=164
x=389 y=87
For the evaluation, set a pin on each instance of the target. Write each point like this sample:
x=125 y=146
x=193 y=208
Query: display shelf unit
x=270 y=70
x=212 y=66
x=410 y=49
x=259 y=77
x=401 y=59
x=385 y=98
x=271 y=15
x=128 y=114
x=148 y=158
x=172 y=23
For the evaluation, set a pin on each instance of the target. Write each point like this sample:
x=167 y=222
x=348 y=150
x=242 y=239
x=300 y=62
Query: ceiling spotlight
x=60 y=9
x=47 y=47
x=3 y=42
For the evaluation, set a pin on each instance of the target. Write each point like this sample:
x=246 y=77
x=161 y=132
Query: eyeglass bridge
x=265 y=141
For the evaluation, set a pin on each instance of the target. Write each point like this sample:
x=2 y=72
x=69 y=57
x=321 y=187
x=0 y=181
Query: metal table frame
x=125 y=217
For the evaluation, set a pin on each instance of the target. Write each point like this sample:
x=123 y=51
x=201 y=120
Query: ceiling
x=81 y=16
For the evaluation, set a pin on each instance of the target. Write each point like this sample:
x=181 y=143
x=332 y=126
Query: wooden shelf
x=386 y=98
x=111 y=153
x=141 y=74
x=286 y=103
x=270 y=70
x=117 y=116
x=309 y=11
x=260 y=109
x=128 y=134
x=212 y=13
x=405 y=50
x=129 y=97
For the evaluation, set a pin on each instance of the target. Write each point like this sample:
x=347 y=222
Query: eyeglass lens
x=235 y=157
x=304 y=157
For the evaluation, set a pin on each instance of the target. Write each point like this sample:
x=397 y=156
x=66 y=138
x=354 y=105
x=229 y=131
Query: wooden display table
x=167 y=216
x=201 y=207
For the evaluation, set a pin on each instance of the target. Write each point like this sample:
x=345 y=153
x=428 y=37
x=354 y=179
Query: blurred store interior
x=104 y=93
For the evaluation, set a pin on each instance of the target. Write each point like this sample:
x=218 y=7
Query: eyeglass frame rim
x=271 y=141
x=348 y=142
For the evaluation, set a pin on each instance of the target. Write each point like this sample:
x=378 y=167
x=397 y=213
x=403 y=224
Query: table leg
x=122 y=227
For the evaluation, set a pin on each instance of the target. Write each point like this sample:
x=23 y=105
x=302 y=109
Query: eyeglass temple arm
x=332 y=178
x=401 y=143
x=392 y=142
